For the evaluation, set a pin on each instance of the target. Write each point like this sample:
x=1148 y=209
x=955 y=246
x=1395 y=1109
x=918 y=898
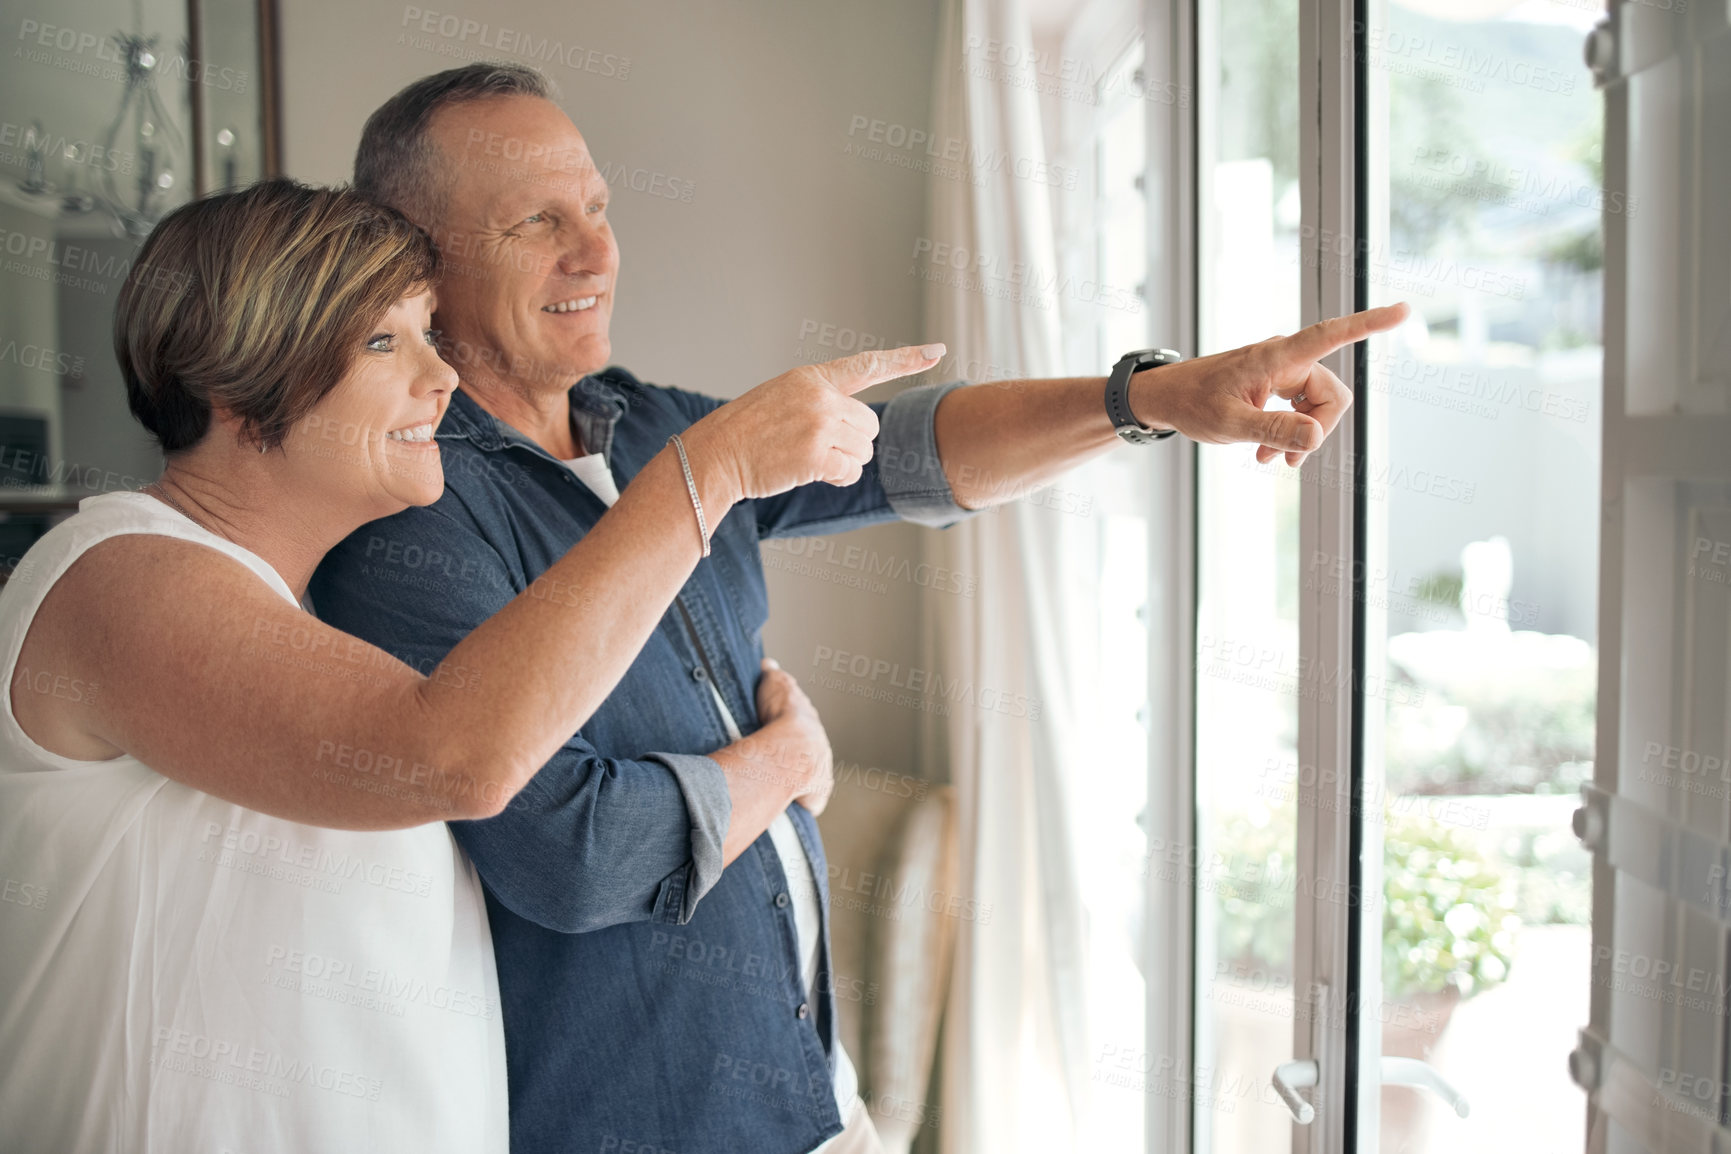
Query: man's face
x=530 y=259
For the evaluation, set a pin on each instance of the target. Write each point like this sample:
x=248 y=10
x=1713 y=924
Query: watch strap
x=1124 y=422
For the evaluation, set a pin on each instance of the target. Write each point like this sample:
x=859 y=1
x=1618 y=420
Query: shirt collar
x=597 y=405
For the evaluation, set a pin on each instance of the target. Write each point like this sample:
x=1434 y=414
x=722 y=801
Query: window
x=1477 y=496
x=1470 y=589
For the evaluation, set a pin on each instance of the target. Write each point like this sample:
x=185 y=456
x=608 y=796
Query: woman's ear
x=224 y=425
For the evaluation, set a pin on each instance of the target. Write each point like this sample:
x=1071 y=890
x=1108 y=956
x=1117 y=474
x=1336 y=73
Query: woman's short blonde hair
x=256 y=302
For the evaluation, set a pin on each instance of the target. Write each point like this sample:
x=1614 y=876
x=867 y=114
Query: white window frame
x=1169 y=67
x=1332 y=523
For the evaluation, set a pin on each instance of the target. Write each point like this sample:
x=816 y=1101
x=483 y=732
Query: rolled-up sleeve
x=591 y=841
x=596 y=841
x=907 y=458
x=704 y=784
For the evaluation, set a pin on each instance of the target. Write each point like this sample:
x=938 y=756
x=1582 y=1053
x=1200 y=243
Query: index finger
x=875 y=366
x=1322 y=338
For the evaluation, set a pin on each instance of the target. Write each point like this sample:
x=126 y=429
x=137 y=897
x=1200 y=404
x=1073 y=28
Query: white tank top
x=178 y=973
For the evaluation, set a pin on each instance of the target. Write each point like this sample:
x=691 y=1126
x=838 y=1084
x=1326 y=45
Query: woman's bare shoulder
x=131 y=601
x=150 y=572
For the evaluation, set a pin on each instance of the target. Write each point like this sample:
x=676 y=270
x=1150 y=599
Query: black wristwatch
x=1118 y=394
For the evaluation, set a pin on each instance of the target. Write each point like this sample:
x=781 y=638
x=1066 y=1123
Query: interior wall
x=750 y=240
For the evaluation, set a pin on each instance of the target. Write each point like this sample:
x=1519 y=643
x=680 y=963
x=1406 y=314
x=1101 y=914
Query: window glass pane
x=1483 y=494
x=1247 y=628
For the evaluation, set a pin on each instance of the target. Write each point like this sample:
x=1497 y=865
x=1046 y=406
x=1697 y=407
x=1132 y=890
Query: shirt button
x=781 y=900
x=804 y=1010
x=698 y=673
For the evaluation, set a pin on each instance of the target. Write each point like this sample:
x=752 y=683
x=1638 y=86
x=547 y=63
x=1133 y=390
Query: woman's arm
x=212 y=679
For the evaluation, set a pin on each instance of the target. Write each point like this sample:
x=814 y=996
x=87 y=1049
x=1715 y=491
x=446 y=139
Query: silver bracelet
x=691 y=487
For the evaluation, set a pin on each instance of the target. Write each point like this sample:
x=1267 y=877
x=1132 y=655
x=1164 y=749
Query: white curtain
x=1015 y=1068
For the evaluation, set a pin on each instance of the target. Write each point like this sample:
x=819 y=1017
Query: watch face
x=1149 y=358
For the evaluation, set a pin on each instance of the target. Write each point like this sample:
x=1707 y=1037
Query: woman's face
x=372 y=435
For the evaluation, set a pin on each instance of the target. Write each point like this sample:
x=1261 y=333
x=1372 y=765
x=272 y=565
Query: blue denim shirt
x=649 y=996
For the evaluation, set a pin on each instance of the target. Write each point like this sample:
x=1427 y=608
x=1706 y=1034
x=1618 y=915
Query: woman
x=234 y=918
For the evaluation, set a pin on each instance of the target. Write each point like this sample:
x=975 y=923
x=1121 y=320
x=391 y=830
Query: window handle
x=1413 y=1072
x=1291 y=1077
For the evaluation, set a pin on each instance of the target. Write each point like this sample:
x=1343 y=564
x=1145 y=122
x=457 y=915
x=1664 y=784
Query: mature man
x=659 y=921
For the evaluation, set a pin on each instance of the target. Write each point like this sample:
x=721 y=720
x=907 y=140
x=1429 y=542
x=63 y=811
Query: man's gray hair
x=398 y=162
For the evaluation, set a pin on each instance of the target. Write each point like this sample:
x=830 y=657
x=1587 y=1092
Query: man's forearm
x=1002 y=440
x=765 y=772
